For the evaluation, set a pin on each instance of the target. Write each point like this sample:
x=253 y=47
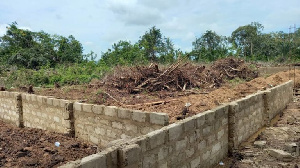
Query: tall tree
x=246 y=38
x=209 y=46
x=152 y=43
x=123 y=53
x=29 y=49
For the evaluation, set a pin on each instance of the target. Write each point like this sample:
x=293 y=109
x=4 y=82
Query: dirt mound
x=30 y=147
x=179 y=76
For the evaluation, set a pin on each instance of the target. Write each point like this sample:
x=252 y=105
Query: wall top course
x=123 y=113
x=8 y=94
x=47 y=100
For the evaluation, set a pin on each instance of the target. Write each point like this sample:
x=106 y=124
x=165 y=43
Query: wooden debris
x=179 y=76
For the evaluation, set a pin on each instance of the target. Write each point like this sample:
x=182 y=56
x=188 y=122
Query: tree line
x=28 y=49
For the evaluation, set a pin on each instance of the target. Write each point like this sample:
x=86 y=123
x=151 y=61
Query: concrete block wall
x=198 y=141
x=9 y=109
x=47 y=113
x=101 y=124
x=246 y=116
x=277 y=98
x=249 y=114
x=104 y=159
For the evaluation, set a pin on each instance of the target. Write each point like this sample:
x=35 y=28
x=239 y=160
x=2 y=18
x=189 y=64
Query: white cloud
x=100 y=23
x=132 y=13
x=25 y=28
x=3 y=29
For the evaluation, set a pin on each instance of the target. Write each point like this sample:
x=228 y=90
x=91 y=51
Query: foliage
x=210 y=46
x=123 y=53
x=41 y=59
x=152 y=46
x=246 y=38
x=63 y=74
x=28 y=49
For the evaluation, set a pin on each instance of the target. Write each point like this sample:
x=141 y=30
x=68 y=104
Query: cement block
x=181 y=144
x=56 y=102
x=175 y=131
x=260 y=144
x=216 y=148
x=189 y=125
x=207 y=130
x=78 y=106
x=110 y=111
x=124 y=113
x=209 y=117
x=163 y=153
x=138 y=116
x=98 y=109
x=130 y=155
x=64 y=103
x=28 y=97
x=202 y=145
x=131 y=128
x=220 y=111
x=117 y=125
x=281 y=155
x=149 y=161
x=200 y=119
x=142 y=141
x=34 y=98
x=159 y=118
x=49 y=101
x=156 y=138
x=87 y=107
x=94 y=161
x=40 y=99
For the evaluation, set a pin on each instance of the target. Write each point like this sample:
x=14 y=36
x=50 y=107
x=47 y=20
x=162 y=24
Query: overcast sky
x=97 y=24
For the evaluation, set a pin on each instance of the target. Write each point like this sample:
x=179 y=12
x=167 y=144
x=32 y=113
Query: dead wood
x=179 y=76
x=152 y=103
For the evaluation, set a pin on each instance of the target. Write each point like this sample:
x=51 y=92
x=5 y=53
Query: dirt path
x=27 y=147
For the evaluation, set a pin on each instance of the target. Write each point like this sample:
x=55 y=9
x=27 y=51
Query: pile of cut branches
x=179 y=76
x=233 y=68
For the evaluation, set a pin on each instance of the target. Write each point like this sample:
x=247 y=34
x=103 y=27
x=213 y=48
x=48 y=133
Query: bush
x=63 y=74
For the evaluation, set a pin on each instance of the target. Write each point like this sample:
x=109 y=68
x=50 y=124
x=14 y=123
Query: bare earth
x=171 y=103
x=35 y=148
x=28 y=147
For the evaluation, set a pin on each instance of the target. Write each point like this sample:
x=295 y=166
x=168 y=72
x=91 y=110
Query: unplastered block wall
x=249 y=114
x=246 y=116
x=9 y=109
x=101 y=124
x=198 y=141
x=278 y=97
x=47 y=113
x=107 y=158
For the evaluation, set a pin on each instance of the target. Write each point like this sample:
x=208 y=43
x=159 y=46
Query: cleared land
x=22 y=147
x=171 y=102
x=29 y=147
